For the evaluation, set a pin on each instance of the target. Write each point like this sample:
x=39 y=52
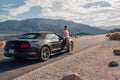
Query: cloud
x=91 y=12
x=8 y=5
x=4 y=18
x=96 y=4
x=5 y=8
x=26 y=7
x=20 y=10
x=74 y=10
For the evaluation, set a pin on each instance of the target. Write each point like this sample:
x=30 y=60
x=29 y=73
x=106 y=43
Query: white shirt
x=66 y=34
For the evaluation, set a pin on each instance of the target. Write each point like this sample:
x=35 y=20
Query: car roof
x=41 y=32
x=45 y=32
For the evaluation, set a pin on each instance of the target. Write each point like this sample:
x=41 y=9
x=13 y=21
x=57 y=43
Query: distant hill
x=115 y=30
x=111 y=27
x=38 y=24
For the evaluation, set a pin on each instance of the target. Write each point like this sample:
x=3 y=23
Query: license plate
x=11 y=51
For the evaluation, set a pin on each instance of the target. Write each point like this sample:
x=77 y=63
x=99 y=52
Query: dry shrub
x=2 y=43
x=75 y=37
x=115 y=36
x=94 y=34
x=108 y=34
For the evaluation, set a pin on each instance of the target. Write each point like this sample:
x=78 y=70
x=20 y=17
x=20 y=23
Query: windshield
x=29 y=36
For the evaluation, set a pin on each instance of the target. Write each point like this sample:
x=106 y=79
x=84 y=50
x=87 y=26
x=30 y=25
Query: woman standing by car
x=66 y=37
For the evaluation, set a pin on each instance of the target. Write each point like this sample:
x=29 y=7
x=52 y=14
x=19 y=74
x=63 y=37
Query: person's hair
x=65 y=27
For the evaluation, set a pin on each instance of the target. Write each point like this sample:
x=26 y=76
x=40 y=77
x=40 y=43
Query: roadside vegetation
x=75 y=36
x=114 y=36
x=2 y=43
x=78 y=36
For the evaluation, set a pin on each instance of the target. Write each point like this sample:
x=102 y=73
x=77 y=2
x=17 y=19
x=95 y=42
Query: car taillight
x=25 y=45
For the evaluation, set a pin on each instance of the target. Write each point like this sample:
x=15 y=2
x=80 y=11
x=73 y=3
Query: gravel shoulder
x=91 y=63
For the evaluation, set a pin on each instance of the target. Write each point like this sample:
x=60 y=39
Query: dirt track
x=91 y=63
x=9 y=68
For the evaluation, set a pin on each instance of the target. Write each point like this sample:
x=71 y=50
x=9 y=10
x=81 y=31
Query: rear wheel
x=44 y=53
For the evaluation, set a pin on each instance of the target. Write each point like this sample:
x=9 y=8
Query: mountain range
x=115 y=30
x=111 y=27
x=40 y=24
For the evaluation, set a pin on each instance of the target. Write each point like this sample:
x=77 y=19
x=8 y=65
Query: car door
x=58 y=41
x=55 y=41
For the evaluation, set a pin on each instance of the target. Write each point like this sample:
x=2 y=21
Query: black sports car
x=36 y=46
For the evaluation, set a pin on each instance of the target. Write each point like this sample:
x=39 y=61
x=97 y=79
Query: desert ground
x=92 y=63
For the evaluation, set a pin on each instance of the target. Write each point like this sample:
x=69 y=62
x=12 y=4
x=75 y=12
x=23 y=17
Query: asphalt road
x=10 y=68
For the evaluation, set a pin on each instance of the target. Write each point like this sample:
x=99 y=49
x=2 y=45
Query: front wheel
x=44 y=53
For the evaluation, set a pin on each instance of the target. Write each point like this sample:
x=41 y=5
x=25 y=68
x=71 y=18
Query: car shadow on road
x=12 y=64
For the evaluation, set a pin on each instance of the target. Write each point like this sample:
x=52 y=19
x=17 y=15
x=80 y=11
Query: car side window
x=56 y=37
x=52 y=37
x=49 y=36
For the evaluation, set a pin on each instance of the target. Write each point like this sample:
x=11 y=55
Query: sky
x=90 y=12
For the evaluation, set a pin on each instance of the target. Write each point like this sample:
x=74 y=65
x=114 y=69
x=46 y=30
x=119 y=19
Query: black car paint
x=55 y=45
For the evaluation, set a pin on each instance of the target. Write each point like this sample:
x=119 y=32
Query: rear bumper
x=21 y=54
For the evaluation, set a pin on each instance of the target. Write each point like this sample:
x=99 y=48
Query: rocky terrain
x=91 y=63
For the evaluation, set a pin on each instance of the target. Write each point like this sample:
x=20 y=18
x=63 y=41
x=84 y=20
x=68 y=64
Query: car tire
x=44 y=53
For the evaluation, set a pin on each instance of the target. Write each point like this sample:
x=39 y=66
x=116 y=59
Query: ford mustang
x=36 y=46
